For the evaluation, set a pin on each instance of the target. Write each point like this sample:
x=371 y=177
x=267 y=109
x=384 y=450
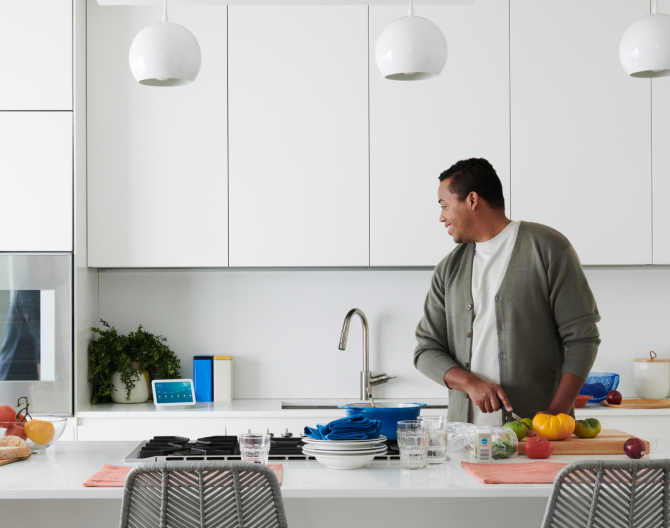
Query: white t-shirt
x=488 y=269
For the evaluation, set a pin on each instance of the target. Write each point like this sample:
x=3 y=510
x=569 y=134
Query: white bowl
x=344 y=461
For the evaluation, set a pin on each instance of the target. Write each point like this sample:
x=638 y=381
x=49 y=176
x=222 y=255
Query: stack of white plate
x=344 y=454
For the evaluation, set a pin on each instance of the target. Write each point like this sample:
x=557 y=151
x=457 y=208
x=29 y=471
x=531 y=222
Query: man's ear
x=473 y=199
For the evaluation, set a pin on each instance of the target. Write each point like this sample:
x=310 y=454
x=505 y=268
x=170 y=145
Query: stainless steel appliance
x=162 y=448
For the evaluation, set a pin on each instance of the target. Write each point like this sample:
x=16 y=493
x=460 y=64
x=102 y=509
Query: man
x=509 y=321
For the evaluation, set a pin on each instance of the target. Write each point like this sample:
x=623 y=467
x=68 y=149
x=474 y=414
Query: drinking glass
x=413 y=446
x=411 y=425
x=255 y=447
x=437 y=438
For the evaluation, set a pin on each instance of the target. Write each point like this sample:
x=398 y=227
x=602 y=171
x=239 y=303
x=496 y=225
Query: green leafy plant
x=113 y=351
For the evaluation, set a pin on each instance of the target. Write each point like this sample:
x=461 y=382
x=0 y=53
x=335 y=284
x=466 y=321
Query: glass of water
x=436 y=427
x=255 y=447
x=413 y=446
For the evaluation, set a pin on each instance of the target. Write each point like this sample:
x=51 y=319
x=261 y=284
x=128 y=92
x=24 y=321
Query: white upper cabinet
x=660 y=94
x=581 y=128
x=36 y=181
x=419 y=129
x=157 y=160
x=298 y=99
x=36 y=54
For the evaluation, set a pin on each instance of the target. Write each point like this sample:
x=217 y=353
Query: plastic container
x=389 y=414
x=202 y=378
x=598 y=384
x=223 y=378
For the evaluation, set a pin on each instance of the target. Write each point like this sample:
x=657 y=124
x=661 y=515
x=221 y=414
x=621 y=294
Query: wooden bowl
x=581 y=400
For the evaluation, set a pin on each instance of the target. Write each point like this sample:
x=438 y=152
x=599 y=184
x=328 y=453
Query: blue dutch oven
x=389 y=414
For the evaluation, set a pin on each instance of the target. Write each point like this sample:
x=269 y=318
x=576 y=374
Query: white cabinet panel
x=36 y=54
x=298 y=99
x=660 y=97
x=36 y=181
x=157 y=160
x=581 y=128
x=419 y=129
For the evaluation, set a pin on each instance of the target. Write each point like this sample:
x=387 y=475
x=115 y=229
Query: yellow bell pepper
x=557 y=427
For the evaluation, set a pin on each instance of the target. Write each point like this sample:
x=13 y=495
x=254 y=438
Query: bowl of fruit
x=39 y=432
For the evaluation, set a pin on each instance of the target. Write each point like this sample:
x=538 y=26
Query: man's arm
x=487 y=396
x=576 y=314
x=567 y=391
x=431 y=355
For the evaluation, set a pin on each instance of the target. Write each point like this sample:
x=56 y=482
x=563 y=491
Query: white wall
x=283 y=327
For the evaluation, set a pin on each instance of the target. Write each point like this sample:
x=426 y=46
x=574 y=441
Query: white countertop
x=60 y=473
x=273 y=408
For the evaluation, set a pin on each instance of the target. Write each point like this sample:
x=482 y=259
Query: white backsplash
x=283 y=327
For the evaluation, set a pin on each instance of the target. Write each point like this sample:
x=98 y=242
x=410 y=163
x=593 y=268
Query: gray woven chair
x=610 y=494
x=202 y=495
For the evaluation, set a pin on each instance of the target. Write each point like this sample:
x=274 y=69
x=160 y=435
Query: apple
x=614 y=397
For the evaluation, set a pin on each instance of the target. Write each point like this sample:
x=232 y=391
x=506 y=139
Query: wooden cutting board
x=608 y=442
x=10 y=460
x=640 y=404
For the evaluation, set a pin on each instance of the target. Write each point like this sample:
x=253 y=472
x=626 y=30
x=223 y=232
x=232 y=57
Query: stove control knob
x=271 y=434
x=287 y=434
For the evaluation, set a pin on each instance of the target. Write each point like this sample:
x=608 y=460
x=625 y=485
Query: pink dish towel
x=522 y=473
x=115 y=476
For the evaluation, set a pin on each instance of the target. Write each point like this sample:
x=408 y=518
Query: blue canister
x=202 y=378
x=389 y=414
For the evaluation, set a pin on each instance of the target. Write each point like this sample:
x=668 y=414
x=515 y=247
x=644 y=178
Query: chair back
x=202 y=495
x=610 y=494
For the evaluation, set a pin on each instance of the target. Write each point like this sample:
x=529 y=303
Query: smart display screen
x=173 y=392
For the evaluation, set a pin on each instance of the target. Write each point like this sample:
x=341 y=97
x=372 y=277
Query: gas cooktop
x=161 y=448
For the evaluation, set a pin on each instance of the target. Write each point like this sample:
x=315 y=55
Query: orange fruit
x=39 y=431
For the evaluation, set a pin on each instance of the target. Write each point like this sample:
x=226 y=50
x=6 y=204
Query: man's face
x=455 y=215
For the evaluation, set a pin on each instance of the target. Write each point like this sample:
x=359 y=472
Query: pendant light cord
x=164 y=10
x=411 y=8
x=654 y=7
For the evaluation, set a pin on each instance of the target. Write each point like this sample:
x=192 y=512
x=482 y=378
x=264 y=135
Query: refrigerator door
x=36 y=331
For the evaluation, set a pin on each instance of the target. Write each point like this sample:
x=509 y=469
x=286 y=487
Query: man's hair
x=478 y=175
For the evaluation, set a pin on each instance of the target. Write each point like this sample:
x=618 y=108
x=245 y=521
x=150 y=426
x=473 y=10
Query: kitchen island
x=49 y=489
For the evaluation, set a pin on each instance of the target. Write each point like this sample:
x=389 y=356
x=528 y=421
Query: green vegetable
x=113 y=351
x=502 y=449
x=519 y=428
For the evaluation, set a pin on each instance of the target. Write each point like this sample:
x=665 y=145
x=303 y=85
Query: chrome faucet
x=367 y=380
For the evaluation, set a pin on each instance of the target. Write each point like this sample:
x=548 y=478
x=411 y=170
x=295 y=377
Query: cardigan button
x=469 y=307
x=497 y=298
x=468 y=335
x=467 y=365
x=467 y=395
x=499 y=327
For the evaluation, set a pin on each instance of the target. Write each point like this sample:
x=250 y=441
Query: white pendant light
x=411 y=48
x=645 y=46
x=165 y=54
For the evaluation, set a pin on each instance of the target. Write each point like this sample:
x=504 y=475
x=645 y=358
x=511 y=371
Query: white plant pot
x=140 y=392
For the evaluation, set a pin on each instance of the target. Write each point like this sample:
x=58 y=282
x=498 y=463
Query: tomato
x=538 y=447
x=16 y=430
x=557 y=427
x=589 y=428
x=7 y=415
x=40 y=432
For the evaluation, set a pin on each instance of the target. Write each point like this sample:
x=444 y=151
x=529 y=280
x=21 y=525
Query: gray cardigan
x=546 y=321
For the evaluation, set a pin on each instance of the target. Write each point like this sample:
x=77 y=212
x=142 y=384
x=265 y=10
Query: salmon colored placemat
x=115 y=476
x=521 y=473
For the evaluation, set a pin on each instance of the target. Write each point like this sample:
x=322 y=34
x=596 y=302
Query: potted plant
x=125 y=359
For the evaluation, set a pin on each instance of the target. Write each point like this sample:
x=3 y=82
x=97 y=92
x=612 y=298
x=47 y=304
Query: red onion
x=635 y=448
x=614 y=397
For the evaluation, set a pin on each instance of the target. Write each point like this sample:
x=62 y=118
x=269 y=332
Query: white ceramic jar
x=652 y=377
x=139 y=394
